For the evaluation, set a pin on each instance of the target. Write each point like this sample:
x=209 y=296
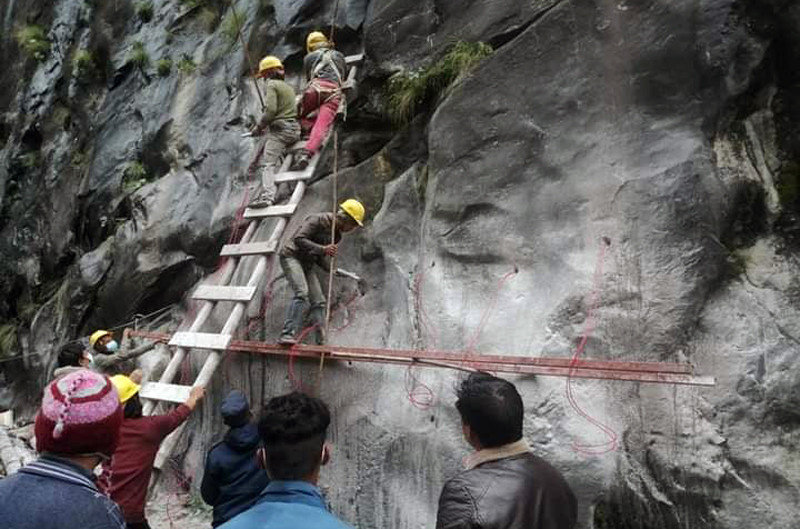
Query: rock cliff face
x=669 y=127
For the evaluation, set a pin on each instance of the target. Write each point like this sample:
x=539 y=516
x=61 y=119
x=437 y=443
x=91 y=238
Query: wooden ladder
x=210 y=294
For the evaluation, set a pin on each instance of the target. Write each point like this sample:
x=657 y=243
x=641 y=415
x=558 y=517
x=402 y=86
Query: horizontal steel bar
x=598 y=369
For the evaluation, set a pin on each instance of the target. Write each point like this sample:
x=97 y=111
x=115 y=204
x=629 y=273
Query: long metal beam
x=649 y=372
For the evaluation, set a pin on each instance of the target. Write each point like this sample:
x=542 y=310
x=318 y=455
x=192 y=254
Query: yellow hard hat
x=316 y=39
x=126 y=388
x=96 y=335
x=355 y=209
x=268 y=63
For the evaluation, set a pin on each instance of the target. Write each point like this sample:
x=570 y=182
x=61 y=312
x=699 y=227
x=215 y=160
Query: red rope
x=612 y=439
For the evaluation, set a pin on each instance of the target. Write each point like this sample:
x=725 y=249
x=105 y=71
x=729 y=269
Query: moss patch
x=789 y=183
x=8 y=340
x=33 y=41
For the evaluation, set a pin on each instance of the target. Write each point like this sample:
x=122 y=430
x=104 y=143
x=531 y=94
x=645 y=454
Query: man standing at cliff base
x=293 y=429
x=76 y=428
x=504 y=486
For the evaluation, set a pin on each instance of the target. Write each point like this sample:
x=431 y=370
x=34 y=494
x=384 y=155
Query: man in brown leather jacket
x=505 y=486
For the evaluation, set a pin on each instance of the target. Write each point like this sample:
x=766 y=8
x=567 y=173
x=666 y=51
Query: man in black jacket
x=505 y=486
x=233 y=479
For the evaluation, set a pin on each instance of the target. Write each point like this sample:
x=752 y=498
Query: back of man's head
x=293 y=429
x=492 y=408
x=70 y=355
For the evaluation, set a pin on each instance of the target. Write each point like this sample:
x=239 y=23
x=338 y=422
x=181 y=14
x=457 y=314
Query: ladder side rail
x=200 y=319
x=215 y=357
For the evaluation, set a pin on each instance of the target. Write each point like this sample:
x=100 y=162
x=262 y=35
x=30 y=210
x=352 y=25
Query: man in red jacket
x=139 y=440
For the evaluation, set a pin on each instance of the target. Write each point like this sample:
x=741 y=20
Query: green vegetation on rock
x=8 y=340
x=186 y=64
x=33 y=41
x=134 y=177
x=139 y=56
x=788 y=185
x=409 y=93
x=83 y=64
x=144 y=10
x=164 y=67
x=231 y=26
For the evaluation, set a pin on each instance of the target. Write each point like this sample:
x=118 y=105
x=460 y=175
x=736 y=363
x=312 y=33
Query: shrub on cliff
x=410 y=92
x=33 y=41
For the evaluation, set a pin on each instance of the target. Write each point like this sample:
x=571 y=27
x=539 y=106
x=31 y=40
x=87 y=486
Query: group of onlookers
x=262 y=474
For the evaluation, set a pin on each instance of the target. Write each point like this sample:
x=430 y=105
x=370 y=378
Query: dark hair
x=133 y=408
x=293 y=428
x=492 y=408
x=70 y=355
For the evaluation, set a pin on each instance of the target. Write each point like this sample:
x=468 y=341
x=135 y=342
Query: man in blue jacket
x=293 y=429
x=77 y=426
x=233 y=478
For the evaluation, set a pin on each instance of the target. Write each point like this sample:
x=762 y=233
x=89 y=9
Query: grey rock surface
x=671 y=128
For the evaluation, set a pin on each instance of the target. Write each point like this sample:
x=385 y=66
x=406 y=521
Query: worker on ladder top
x=325 y=71
x=310 y=246
x=280 y=121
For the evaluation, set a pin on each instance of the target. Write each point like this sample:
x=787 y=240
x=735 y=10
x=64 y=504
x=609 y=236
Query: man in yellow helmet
x=325 y=70
x=140 y=437
x=110 y=359
x=311 y=246
x=280 y=120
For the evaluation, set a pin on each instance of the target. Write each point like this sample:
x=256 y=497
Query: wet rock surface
x=670 y=128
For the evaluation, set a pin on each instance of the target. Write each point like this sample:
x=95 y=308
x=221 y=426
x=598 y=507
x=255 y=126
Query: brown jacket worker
x=280 y=122
x=110 y=360
x=505 y=485
x=310 y=246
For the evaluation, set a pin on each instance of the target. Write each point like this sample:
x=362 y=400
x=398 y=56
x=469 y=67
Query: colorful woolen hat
x=80 y=414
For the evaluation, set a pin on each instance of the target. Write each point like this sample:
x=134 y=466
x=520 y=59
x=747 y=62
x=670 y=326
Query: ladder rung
x=165 y=392
x=252 y=248
x=224 y=293
x=201 y=340
x=352 y=59
x=292 y=176
x=286 y=210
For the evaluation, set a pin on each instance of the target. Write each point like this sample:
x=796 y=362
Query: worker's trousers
x=305 y=284
x=281 y=135
x=322 y=97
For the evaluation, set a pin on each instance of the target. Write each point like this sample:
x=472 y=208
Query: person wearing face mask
x=110 y=359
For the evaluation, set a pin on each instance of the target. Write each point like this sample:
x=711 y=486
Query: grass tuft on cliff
x=410 y=92
x=33 y=41
x=83 y=64
x=186 y=65
x=134 y=177
x=163 y=67
x=231 y=25
x=139 y=56
x=144 y=10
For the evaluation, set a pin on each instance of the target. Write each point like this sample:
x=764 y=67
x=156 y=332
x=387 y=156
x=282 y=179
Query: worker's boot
x=301 y=159
x=294 y=320
x=261 y=199
x=317 y=317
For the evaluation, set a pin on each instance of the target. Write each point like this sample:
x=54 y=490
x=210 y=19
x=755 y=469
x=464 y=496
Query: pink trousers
x=317 y=111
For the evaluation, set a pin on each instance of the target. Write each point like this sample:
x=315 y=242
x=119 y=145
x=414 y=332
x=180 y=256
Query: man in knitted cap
x=76 y=428
x=140 y=438
x=233 y=479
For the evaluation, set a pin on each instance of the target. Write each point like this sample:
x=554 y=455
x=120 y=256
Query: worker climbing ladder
x=210 y=294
